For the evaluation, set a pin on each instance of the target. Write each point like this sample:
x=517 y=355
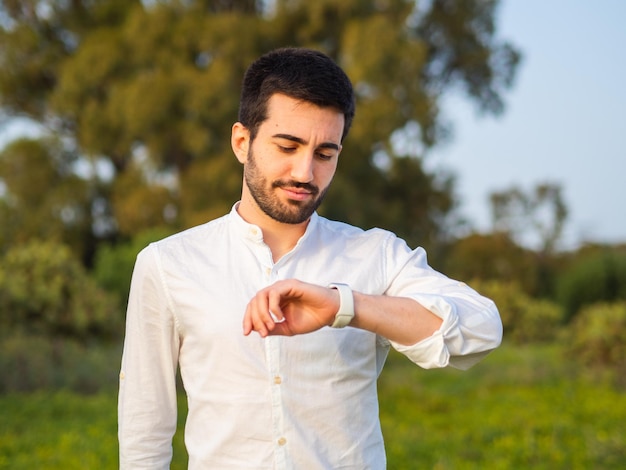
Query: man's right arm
x=147 y=405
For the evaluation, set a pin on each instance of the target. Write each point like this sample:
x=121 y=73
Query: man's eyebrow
x=298 y=140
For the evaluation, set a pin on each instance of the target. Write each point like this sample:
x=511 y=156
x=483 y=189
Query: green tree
x=539 y=214
x=152 y=88
x=41 y=195
x=492 y=257
x=536 y=219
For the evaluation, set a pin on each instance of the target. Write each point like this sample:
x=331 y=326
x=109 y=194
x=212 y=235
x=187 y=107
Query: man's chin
x=294 y=214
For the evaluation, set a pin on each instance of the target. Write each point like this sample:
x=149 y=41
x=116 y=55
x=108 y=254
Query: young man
x=281 y=320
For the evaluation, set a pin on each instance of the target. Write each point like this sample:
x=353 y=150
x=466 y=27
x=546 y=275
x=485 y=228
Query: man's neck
x=278 y=236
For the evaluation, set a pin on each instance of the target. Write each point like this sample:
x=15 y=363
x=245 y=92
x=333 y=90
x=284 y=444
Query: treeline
x=61 y=325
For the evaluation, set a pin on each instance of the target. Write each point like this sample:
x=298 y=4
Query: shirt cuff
x=431 y=352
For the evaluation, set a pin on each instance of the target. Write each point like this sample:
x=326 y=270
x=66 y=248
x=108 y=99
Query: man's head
x=303 y=74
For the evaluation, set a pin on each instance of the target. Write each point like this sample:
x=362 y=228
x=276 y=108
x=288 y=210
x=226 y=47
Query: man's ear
x=240 y=140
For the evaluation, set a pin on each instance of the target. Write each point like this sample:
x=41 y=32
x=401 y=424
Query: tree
x=539 y=214
x=152 y=88
x=492 y=257
x=42 y=197
x=535 y=218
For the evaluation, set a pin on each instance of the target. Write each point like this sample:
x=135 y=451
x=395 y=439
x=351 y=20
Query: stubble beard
x=293 y=212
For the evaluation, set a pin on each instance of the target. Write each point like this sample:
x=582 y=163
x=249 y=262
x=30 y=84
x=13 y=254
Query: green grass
x=520 y=408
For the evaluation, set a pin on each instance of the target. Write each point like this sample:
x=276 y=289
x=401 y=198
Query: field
x=520 y=408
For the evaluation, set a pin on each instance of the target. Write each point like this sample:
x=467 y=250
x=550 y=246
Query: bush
x=114 y=264
x=597 y=277
x=35 y=362
x=492 y=257
x=597 y=337
x=524 y=319
x=45 y=290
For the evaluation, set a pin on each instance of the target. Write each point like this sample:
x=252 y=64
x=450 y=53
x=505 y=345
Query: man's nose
x=302 y=168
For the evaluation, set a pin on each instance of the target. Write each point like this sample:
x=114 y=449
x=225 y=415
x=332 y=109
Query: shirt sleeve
x=471 y=325
x=147 y=405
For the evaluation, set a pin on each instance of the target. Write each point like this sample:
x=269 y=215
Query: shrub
x=524 y=319
x=597 y=337
x=36 y=362
x=492 y=256
x=114 y=264
x=597 y=277
x=45 y=290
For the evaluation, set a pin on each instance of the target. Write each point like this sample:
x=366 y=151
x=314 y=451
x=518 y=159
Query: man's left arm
x=456 y=329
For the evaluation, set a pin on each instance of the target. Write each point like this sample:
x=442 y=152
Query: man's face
x=293 y=158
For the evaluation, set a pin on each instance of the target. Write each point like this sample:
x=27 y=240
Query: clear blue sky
x=565 y=120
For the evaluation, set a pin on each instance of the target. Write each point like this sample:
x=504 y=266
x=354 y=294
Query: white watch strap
x=345 y=314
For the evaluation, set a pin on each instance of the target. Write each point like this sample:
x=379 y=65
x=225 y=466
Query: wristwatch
x=345 y=314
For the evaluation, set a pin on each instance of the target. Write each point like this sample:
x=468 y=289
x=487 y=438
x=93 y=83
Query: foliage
x=491 y=257
x=520 y=408
x=537 y=216
x=114 y=263
x=37 y=362
x=45 y=290
x=152 y=88
x=597 y=337
x=42 y=197
x=524 y=319
x=597 y=275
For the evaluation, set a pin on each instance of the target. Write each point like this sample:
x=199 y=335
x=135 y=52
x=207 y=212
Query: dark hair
x=299 y=73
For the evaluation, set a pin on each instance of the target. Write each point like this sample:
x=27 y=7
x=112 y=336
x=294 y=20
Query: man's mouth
x=297 y=191
x=297 y=194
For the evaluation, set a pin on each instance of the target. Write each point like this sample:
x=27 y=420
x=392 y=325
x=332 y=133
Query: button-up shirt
x=302 y=402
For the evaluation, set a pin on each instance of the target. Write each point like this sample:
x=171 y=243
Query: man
x=281 y=320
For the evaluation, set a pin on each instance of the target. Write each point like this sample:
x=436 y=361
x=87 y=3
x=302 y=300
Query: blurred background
x=489 y=132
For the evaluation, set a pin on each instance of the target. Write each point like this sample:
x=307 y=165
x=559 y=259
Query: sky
x=565 y=118
x=564 y=123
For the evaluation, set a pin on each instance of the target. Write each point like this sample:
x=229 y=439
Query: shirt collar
x=253 y=232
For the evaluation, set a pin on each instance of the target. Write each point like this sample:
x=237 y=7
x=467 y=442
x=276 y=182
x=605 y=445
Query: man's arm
x=147 y=406
x=297 y=307
x=456 y=328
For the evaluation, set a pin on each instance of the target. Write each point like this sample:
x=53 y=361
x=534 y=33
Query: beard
x=291 y=212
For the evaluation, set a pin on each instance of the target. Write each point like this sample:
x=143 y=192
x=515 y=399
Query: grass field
x=521 y=408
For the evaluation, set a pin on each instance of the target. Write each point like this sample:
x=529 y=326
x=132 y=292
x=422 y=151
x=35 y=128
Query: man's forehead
x=291 y=116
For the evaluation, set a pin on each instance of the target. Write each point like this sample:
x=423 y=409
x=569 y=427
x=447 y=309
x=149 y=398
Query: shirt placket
x=272 y=356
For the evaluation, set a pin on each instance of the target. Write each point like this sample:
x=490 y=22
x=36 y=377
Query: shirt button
x=122 y=375
x=282 y=441
x=254 y=232
x=278 y=380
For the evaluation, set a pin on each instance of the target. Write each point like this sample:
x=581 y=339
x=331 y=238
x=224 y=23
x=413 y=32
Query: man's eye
x=323 y=156
x=286 y=149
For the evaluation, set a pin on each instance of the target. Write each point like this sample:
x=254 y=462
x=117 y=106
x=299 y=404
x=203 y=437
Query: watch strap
x=345 y=314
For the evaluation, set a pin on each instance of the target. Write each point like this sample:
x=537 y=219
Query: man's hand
x=290 y=307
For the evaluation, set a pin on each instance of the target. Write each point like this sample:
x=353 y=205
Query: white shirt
x=304 y=402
